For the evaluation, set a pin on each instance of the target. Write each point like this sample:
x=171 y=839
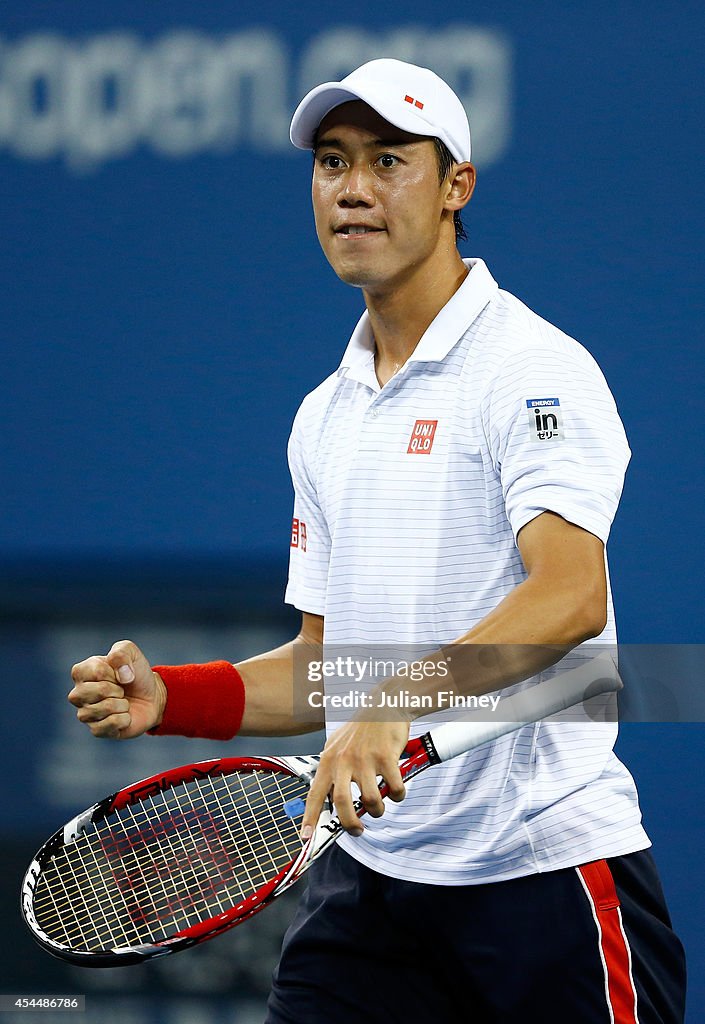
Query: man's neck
x=400 y=317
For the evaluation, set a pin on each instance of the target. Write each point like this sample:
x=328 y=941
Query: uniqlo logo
x=421 y=440
x=298 y=534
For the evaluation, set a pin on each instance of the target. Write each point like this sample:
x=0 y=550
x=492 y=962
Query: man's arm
x=562 y=602
x=119 y=695
x=269 y=684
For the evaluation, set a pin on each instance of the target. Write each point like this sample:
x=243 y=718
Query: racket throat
x=429 y=748
x=423 y=754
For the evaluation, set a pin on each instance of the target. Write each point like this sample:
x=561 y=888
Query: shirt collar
x=440 y=336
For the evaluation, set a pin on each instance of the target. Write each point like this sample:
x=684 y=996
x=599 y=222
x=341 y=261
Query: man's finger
x=345 y=809
x=395 y=783
x=92 y=670
x=122 y=657
x=371 y=796
x=104 y=709
x=314 y=805
x=93 y=693
x=110 y=728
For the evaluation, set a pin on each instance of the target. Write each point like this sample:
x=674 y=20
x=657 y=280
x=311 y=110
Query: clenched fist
x=118 y=695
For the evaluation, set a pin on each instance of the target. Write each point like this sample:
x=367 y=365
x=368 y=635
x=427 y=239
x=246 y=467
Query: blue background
x=163 y=315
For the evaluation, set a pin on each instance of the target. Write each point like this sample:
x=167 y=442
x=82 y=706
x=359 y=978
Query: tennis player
x=455 y=482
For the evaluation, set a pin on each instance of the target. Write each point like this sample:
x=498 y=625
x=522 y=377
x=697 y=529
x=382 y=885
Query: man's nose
x=356 y=188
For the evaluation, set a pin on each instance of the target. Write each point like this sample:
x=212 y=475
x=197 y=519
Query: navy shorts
x=586 y=945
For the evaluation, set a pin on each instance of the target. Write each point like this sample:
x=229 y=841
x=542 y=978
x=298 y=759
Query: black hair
x=446 y=161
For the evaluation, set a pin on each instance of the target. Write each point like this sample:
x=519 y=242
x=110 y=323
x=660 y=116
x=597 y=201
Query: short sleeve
x=556 y=439
x=309 y=552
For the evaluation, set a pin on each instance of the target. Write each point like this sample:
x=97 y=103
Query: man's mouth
x=356 y=229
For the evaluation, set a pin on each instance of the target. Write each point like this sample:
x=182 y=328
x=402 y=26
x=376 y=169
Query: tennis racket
x=187 y=854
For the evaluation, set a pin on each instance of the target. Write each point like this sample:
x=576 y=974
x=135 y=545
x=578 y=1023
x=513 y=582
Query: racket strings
x=127 y=875
x=173 y=899
x=178 y=858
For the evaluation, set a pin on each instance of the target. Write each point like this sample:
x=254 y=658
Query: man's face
x=377 y=201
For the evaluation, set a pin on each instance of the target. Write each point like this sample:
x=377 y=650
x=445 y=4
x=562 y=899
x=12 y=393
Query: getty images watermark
x=471 y=681
x=358 y=670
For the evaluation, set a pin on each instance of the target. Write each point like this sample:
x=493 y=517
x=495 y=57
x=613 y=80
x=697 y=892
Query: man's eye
x=332 y=162
x=387 y=160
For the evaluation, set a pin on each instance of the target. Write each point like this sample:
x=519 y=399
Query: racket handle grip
x=597 y=676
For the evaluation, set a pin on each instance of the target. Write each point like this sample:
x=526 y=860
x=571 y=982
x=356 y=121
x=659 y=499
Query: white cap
x=411 y=98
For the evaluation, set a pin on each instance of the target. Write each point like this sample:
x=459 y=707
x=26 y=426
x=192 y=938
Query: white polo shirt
x=408 y=502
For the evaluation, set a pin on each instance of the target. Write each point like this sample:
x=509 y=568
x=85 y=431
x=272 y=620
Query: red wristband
x=207 y=700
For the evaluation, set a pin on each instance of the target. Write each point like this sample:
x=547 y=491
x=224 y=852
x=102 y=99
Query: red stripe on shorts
x=616 y=958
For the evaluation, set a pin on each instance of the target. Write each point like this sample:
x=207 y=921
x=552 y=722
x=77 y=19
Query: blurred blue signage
x=96 y=98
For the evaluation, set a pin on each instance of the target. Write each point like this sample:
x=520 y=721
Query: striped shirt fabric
x=408 y=502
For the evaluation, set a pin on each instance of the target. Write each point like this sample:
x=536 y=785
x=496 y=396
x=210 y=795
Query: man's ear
x=460 y=186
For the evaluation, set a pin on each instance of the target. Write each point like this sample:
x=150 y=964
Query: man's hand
x=357 y=752
x=118 y=696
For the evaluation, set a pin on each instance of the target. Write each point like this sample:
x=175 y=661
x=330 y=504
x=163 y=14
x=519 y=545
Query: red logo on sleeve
x=298 y=534
x=421 y=440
